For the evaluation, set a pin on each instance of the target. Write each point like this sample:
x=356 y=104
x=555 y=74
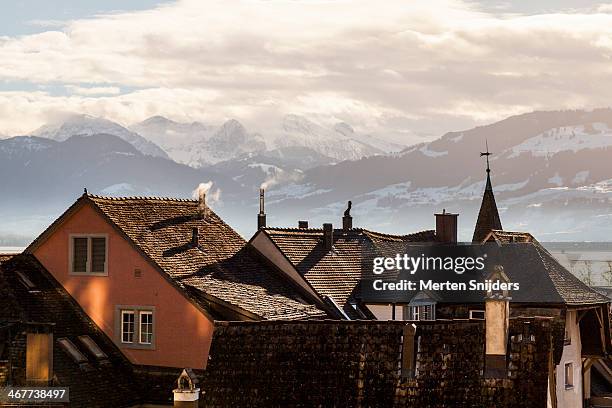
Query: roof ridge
x=126 y=198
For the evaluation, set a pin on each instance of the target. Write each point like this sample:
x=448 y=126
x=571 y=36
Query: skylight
x=92 y=347
x=72 y=351
x=25 y=281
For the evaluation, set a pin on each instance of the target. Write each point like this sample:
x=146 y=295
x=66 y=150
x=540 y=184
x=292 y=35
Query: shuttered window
x=39 y=358
x=79 y=254
x=89 y=254
x=98 y=255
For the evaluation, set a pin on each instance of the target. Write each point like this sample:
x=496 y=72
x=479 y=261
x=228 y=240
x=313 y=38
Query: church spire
x=488 y=216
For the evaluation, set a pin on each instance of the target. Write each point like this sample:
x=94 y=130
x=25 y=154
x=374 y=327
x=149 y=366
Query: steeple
x=488 y=216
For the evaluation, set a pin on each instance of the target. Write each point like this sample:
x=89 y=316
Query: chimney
x=328 y=236
x=347 y=220
x=261 y=217
x=202 y=209
x=446 y=227
x=303 y=224
x=195 y=239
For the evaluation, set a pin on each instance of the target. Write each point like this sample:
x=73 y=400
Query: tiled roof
x=571 y=289
x=97 y=384
x=220 y=266
x=508 y=237
x=335 y=273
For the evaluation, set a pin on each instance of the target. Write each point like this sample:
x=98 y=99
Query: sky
x=409 y=70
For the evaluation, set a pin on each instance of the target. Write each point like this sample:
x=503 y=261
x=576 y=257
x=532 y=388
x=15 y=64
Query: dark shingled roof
x=335 y=273
x=100 y=384
x=220 y=267
x=542 y=280
x=488 y=216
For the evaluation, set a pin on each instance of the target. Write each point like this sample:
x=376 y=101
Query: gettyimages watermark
x=398 y=271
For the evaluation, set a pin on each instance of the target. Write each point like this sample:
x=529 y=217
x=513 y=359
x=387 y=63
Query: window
x=92 y=347
x=146 y=327
x=89 y=254
x=568 y=337
x=72 y=351
x=569 y=375
x=135 y=326
x=421 y=312
x=477 y=314
x=127 y=326
x=39 y=357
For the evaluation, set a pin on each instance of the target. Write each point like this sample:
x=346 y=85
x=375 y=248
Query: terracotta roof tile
x=335 y=273
x=219 y=266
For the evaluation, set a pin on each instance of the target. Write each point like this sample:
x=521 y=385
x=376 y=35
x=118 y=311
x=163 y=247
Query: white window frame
x=568 y=376
x=479 y=312
x=89 y=255
x=138 y=311
x=415 y=313
x=140 y=332
x=123 y=332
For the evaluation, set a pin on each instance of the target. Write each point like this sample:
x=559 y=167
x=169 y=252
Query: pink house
x=154 y=274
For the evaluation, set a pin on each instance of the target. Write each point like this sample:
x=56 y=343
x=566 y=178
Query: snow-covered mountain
x=551 y=174
x=86 y=125
x=199 y=145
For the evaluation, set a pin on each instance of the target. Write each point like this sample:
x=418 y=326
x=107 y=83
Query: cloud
x=96 y=90
x=423 y=67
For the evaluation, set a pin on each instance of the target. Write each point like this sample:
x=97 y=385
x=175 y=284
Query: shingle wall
x=357 y=364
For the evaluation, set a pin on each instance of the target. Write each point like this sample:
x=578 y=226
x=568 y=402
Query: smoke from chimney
x=201 y=193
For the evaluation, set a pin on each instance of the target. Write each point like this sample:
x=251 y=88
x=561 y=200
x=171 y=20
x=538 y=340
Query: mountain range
x=550 y=172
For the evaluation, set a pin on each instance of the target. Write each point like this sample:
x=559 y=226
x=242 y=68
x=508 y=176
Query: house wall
x=570 y=397
x=385 y=312
x=182 y=332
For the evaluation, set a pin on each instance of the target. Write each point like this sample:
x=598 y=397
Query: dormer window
x=89 y=254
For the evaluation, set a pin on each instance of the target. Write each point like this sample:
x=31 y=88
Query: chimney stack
x=328 y=236
x=202 y=208
x=446 y=227
x=303 y=224
x=195 y=237
x=347 y=220
x=261 y=217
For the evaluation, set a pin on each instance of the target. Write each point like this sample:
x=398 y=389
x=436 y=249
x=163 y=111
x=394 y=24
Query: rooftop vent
x=303 y=224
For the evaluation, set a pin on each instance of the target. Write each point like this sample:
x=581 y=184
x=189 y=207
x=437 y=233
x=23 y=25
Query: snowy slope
x=566 y=138
x=86 y=125
x=299 y=131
